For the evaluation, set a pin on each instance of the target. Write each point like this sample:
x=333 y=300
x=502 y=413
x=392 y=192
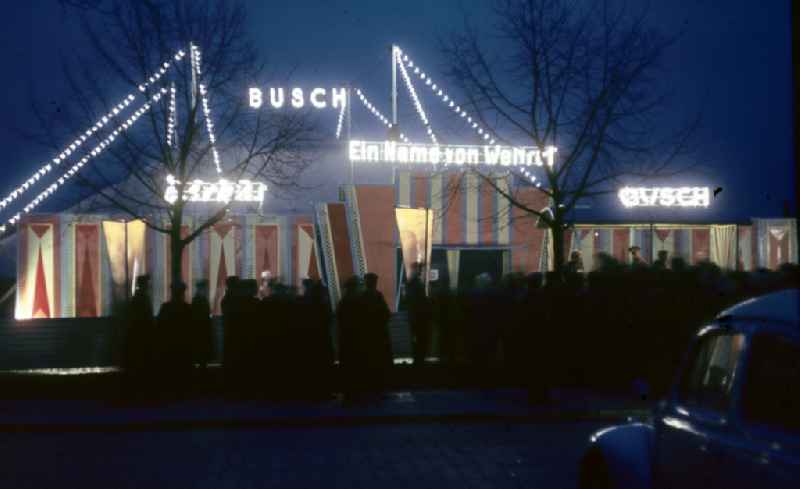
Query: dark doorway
x=472 y=263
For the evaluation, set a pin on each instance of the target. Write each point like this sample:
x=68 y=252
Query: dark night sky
x=734 y=63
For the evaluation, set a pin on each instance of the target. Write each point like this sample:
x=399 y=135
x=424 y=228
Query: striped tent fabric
x=776 y=242
x=223 y=261
x=663 y=240
x=583 y=241
x=75 y=265
x=701 y=245
x=467 y=209
x=643 y=238
x=745 y=243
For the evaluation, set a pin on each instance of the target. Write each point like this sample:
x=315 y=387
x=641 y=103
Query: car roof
x=781 y=306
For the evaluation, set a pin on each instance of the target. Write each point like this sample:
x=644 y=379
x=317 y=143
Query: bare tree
x=130 y=42
x=582 y=76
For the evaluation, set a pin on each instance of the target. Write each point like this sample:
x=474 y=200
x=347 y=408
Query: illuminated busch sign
x=450 y=154
x=278 y=97
x=222 y=191
x=665 y=196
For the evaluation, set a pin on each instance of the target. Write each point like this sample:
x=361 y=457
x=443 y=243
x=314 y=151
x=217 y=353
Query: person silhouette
x=348 y=321
x=174 y=323
x=375 y=335
x=314 y=325
x=419 y=315
x=230 y=336
x=662 y=263
x=202 y=329
x=140 y=337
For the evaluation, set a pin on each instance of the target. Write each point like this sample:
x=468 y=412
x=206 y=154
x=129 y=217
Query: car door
x=690 y=428
x=767 y=452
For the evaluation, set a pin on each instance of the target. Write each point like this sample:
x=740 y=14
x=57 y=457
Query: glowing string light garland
x=377 y=113
x=340 y=122
x=96 y=151
x=405 y=61
x=210 y=127
x=196 y=59
x=172 y=121
x=420 y=110
x=76 y=144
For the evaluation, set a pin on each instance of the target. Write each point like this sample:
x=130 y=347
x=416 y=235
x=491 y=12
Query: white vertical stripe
x=472 y=208
x=436 y=205
x=249 y=247
x=587 y=250
x=610 y=249
x=503 y=213
x=633 y=241
x=404 y=187
x=284 y=249
x=68 y=285
x=304 y=245
x=746 y=249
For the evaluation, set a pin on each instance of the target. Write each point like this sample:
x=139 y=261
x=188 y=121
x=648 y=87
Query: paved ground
x=428 y=455
x=395 y=407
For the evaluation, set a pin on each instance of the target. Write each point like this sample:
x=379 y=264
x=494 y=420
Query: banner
x=223 y=257
x=416 y=238
x=306 y=254
x=38 y=270
x=86 y=286
x=116 y=234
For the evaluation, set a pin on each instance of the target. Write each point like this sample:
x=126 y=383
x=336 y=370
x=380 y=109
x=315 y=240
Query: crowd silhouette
x=617 y=326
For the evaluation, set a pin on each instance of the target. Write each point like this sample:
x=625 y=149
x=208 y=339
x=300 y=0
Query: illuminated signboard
x=223 y=191
x=665 y=196
x=297 y=98
x=450 y=154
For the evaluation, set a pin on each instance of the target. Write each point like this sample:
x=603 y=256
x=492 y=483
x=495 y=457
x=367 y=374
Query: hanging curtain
x=723 y=246
x=452 y=267
x=776 y=252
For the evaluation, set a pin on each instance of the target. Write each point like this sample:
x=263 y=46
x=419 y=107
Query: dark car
x=732 y=419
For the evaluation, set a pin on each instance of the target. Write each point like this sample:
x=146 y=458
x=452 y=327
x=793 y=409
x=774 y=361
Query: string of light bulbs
x=210 y=127
x=172 y=120
x=404 y=61
x=531 y=177
x=73 y=147
x=340 y=122
x=377 y=113
x=196 y=57
x=420 y=110
x=96 y=151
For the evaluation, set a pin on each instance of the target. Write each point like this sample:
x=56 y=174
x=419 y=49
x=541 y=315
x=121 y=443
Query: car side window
x=708 y=383
x=771 y=389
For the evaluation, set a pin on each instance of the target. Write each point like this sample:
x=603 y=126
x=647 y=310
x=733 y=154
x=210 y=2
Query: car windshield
x=709 y=380
x=770 y=393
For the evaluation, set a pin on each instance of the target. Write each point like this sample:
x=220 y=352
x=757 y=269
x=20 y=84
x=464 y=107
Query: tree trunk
x=557 y=229
x=176 y=256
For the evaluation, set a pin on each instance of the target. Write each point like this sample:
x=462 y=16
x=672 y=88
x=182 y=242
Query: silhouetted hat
x=371 y=279
x=142 y=281
x=634 y=248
